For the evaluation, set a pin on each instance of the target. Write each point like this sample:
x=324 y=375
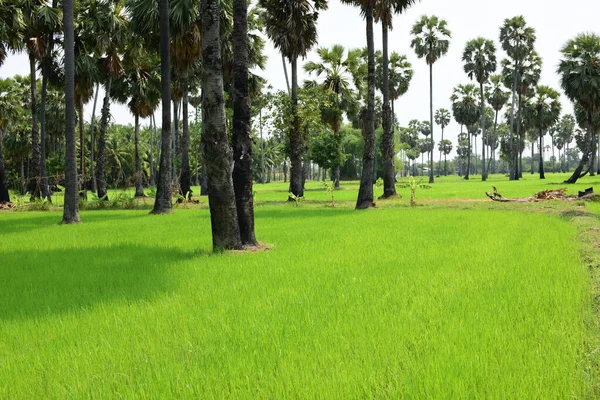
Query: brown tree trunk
x=587 y=152
x=34 y=170
x=296 y=142
x=162 y=203
x=387 y=139
x=242 y=143
x=185 y=177
x=542 y=175
x=218 y=153
x=139 y=188
x=365 y=192
x=82 y=187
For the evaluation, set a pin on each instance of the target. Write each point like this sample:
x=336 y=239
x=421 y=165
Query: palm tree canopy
x=465 y=106
x=292 y=24
x=480 y=59
x=580 y=71
x=516 y=37
x=384 y=10
x=11 y=26
x=400 y=74
x=529 y=69
x=431 y=38
x=497 y=97
x=442 y=117
x=543 y=108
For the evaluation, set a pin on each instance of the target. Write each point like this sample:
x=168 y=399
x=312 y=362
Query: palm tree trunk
x=101 y=156
x=4 y=195
x=365 y=192
x=151 y=154
x=262 y=148
x=34 y=173
x=495 y=132
x=71 y=206
x=542 y=175
x=468 y=155
x=81 y=152
x=593 y=162
x=218 y=153
x=387 y=139
x=532 y=155
x=440 y=162
x=93 y=141
x=586 y=153
x=185 y=177
x=296 y=142
x=175 y=133
x=431 y=121
x=45 y=189
x=519 y=154
x=242 y=143
x=287 y=80
x=511 y=158
x=139 y=188
x=483 y=121
x=162 y=203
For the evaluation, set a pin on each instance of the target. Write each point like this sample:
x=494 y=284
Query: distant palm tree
x=431 y=40
x=292 y=27
x=466 y=113
x=383 y=12
x=340 y=76
x=445 y=146
x=580 y=78
x=442 y=118
x=564 y=136
x=71 y=206
x=497 y=97
x=480 y=62
x=544 y=110
x=517 y=40
x=401 y=73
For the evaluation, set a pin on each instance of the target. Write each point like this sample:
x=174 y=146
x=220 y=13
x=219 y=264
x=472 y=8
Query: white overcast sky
x=555 y=23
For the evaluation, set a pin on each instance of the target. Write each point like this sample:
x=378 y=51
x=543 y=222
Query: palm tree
x=466 y=113
x=71 y=206
x=139 y=87
x=218 y=153
x=431 y=41
x=292 y=27
x=9 y=111
x=497 y=97
x=480 y=62
x=442 y=118
x=543 y=112
x=400 y=75
x=517 y=40
x=580 y=78
x=564 y=135
x=340 y=73
x=445 y=146
x=383 y=13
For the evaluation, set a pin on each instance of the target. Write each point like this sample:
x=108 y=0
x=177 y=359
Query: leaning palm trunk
x=185 y=177
x=387 y=139
x=218 y=153
x=162 y=203
x=71 y=207
x=4 y=195
x=587 y=152
x=365 y=192
x=139 y=188
x=101 y=156
x=296 y=141
x=34 y=169
x=242 y=143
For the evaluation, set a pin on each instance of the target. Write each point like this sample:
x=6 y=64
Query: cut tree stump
x=546 y=195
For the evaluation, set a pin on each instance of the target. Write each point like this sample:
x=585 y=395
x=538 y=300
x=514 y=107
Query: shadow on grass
x=40 y=283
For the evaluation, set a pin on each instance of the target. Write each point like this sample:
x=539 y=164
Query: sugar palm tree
x=466 y=113
x=480 y=63
x=431 y=40
x=442 y=118
x=340 y=72
x=497 y=97
x=400 y=75
x=71 y=207
x=517 y=40
x=445 y=146
x=564 y=135
x=580 y=77
x=292 y=27
x=543 y=110
x=383 y=12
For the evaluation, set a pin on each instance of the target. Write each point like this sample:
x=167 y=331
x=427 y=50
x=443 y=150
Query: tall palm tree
x=580 y=78
x=71 y=206
x=564 y=135
x=517 y=40
x=445 y=146
x=497 y=97
x=431 y=40
x=292 y=27
x=400 y=75
x=543 y=110
x=480 y=62
x=218 y=153
x=340 y=71
x=383 y=12
x=466 y=113
x=442 y=118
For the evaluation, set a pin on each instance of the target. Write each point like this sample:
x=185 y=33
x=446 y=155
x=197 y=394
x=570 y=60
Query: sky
x=555 y=23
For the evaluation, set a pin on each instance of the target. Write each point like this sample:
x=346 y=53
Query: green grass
x=391 y=303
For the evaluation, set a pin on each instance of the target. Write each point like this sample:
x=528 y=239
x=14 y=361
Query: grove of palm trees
x=293 y=199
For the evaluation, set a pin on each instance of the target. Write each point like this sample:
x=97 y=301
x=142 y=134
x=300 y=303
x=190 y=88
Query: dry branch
x=545 y=195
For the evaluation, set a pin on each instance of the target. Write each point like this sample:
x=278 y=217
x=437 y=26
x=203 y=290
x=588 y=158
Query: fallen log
x=546 y=195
